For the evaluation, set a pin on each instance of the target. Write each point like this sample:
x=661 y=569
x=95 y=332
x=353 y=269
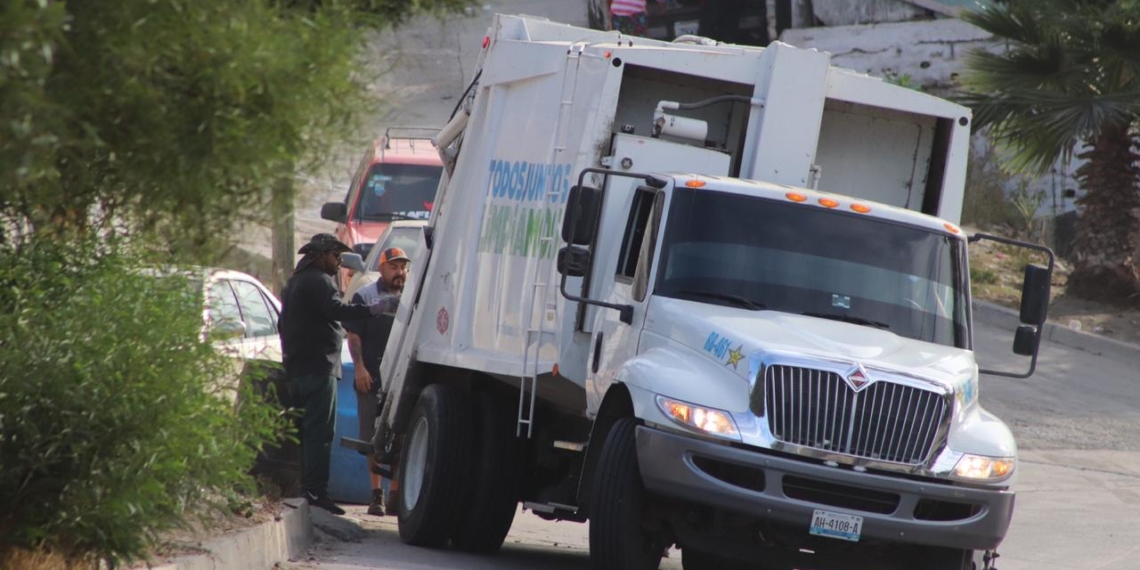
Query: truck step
x=551 y=508
x=360 y=445
x=570 y=446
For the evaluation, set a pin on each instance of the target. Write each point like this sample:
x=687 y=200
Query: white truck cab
x=698 y=294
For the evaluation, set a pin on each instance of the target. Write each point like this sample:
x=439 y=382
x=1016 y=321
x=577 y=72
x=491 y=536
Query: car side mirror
x=362 y=249
x=1035 y=295
x=573 y=261
x=227 y=329
x=334 y=212
x=582 y=209
x=352 y=261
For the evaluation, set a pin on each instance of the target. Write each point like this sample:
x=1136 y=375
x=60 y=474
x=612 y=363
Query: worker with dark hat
x=311 y=339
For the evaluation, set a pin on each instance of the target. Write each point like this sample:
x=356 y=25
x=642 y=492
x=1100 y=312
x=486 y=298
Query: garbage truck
x=703 y=296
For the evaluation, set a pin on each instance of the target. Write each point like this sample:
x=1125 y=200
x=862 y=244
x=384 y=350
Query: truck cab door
x=636 y=154
x=614 y=342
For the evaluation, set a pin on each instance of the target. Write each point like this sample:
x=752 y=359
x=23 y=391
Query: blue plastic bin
x=348 y=475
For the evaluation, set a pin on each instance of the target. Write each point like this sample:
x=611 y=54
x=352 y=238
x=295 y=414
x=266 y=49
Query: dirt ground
x=996 y=272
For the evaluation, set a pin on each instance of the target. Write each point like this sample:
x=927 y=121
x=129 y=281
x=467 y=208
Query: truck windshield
x=398 y=191
x=817 y=262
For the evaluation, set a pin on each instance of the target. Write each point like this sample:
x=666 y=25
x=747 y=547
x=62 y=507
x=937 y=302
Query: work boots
x=390 y=508
x=377 y=506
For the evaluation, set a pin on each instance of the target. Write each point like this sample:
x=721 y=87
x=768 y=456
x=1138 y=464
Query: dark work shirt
x=373 y=331
x=311 y=334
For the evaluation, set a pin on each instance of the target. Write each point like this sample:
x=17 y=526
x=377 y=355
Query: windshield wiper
x=849 y=319
x=734 y=299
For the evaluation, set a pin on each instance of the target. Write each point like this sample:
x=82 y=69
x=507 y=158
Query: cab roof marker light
x=828 y=203
x=695 y=183
x=795 y=197
x=952 y=228
x=860 y=208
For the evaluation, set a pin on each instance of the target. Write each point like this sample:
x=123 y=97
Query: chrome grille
x=885 y=421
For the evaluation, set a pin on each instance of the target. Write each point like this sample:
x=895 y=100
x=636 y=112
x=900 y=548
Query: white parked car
x=241 y=313
x=239 y=317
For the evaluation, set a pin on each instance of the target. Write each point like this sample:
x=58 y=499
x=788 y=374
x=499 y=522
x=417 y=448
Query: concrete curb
x=261 y=546
x=998 y=316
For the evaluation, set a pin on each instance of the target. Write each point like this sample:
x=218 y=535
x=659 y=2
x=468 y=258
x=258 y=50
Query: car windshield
x=402 y=191
x=405 y=238
x=807 y=260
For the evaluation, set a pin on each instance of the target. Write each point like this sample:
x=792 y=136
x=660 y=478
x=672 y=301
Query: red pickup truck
x=396 y=180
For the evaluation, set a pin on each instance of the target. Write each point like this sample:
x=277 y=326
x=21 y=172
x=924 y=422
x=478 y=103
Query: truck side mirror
x=1034 y=295
x=334 y=212
x=1034 y=305
x=582 y=209
x=1025 y=340
x=573 y=261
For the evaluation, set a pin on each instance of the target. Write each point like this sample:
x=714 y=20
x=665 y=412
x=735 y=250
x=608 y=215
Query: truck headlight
x=982 y=468
x=707 y=420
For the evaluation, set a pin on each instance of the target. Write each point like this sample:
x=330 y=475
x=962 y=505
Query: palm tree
x=1071 y=76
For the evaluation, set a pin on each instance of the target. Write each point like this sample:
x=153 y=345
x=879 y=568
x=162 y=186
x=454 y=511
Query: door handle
x=597 y=353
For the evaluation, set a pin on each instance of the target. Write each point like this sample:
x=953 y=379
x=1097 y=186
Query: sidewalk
x=260 y=546
x=1001 y=317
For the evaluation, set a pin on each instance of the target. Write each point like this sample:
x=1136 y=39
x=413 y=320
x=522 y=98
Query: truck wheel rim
x=417 y=464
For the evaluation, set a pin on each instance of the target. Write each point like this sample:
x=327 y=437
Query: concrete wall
x=931 y=52
x=846 y=13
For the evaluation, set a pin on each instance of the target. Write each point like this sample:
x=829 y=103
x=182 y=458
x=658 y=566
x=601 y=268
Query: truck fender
x=673 y=372
x=686 y=375
x=982 y=433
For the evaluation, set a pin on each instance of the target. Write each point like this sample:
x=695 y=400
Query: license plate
x=836 y=525
x=687 y=27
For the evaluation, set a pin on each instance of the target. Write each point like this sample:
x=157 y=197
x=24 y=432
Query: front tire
x=935 y=558
x=692 y=559
x=494 y=498
x=619 y=536
x=432 y=466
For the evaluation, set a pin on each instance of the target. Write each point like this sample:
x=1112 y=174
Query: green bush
x=983 y=276
x=986 y=206
x=111 y=426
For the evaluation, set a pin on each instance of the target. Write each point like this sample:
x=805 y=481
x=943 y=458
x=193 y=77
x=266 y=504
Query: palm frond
x=1004 y=23
x=1039 y=128
x=1121 y=52
x=1016 y=69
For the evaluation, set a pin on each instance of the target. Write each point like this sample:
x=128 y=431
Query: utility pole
x=284 y=194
